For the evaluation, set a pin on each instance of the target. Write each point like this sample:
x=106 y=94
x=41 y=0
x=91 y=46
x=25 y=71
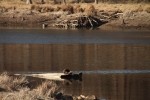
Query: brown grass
x=122 y=7
x=47 y=88
x=138 y=9
x=81 y=7
x=68 y=8
x=147 y=9
x=16 y=89
x=58 y=8
x=10 y=83
x=78 y=9
x=42 y=8
x=90 y=10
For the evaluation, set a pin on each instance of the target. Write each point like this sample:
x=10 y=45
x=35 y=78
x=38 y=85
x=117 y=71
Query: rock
x=61 y=96
x=1 y=89
x=82 y=97
x=58 y=96
x=92 y=97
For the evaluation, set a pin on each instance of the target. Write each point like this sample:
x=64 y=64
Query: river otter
x=67 y=71
x=71 y=76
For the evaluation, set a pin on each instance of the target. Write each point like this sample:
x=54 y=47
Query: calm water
x=38 y=36
x=115 y=65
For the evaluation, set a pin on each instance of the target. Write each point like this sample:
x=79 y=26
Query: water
x=113 y=87
x=115 y=65
x=38 y=36
x=78 y=57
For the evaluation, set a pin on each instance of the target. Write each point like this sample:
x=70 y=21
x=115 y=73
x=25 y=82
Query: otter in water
x=71 y=76
x=67 y=71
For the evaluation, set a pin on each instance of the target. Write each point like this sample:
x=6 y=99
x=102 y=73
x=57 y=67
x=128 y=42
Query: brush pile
x=83 y=21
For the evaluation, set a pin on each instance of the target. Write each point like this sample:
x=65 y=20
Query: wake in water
x=116 y=72
x=56 y=75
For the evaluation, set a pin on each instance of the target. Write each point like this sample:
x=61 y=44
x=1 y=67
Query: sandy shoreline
x=135 y=16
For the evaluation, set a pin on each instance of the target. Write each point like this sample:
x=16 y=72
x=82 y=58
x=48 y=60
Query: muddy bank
x=130 y=20
x=117 y=16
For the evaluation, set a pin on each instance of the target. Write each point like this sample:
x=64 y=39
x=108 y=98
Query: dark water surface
x=115 y=65
x=38 y=36
x=78 y=57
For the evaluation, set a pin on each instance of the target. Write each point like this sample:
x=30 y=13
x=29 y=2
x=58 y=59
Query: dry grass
x=10 y=83
x=49 y=8
x=47 y=89
x=90 y=10
x=42 y=8
x=68 y=8
x=138 y=9
x=122 y=7
x=16 y=89
x=14 y=3
x=78 y=9
x=81 y=7
x=147 y=9
x=25 y=94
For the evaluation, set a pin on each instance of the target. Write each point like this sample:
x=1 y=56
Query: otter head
x=66 y=71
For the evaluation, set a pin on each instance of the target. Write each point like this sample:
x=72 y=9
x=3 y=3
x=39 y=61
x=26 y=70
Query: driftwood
x=80 y=22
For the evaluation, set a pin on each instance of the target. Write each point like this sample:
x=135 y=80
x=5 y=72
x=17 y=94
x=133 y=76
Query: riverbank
x=135 y=16
x=20 y=87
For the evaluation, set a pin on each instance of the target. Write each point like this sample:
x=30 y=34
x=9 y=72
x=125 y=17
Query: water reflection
x=107 y=59
x=113 y=87
x=56 y=57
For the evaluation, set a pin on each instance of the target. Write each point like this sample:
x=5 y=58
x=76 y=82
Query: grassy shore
x=20 y=87
x=130 y=15
x=23 y=88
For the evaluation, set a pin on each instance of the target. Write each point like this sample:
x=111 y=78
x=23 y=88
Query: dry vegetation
x=18 y=12
x=74 y=8
x=16 y=88
x=10 y=83
x=49 y=6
